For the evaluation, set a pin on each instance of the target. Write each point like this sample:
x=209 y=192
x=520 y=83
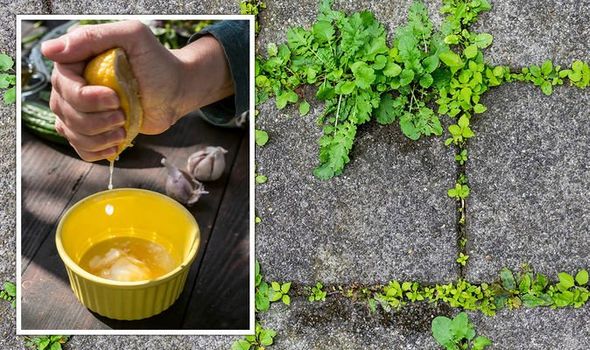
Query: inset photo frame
x=135 y=174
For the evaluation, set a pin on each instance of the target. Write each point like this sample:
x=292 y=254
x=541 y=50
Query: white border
x=19 y=330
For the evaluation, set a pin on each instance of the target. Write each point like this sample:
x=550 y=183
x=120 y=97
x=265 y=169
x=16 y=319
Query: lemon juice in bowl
x=127 y=251
x=128 y=258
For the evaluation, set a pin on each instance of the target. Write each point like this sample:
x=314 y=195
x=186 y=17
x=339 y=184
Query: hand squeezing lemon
x=112 y=81
x=112 y=69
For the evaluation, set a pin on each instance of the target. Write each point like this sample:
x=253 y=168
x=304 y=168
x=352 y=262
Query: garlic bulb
x=181 y=186
x=207 y=164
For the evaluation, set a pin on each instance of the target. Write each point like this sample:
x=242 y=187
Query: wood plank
x=220 y=298
x=139 y=168
x=50 y=177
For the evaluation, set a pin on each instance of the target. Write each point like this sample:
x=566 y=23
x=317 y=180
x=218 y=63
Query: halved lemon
x=112 y=69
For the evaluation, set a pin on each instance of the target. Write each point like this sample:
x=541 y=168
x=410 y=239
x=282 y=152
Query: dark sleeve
x=233 y=35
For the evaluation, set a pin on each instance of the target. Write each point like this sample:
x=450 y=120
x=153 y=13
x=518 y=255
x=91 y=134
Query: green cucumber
x=40 y=120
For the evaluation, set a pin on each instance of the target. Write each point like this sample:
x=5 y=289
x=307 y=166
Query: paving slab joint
x=461 y=215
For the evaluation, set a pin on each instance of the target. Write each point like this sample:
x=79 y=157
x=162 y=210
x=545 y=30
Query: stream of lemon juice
x=111 y=168
x=127 y=258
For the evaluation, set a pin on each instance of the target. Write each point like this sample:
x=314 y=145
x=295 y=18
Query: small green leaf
x=547 y=67
x=260 y=179
x=345 y=88
x=304 y=108
x=266 y=337
x=470 y=51
x=581 y=278
x=455 y=129
x=325 y=92
x=261 y=137
x=10 y=288
x=463 y=121
x=392 y=70
x=286 y=287
x=5 y=62
x=507 y=278
x=406 y=77
x=323 y=31
x=480 y=343
x=285 y=97
x=479 y=108
x=430 y=63
x=6 y=80
x=10 y=96
x=241 y=344
x=408 y=128
x=547 y=88
x=286 y=299
x=461 y=327
x=441 y=331
x=271 y=49
x=566 y=280
x=275 y=286
x=451 y=59
x=451 y=39
x=43 y=343
x=364 y=75
x=386 y=112
x=483 y=40
x=426 y=81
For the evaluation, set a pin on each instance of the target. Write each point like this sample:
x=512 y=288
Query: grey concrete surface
x=159 y=342
x=343 y=324
x=282 y=15
x=387 y=217
x=530 y=32
x=530 y=178
x=8 y=340
x=536 y=329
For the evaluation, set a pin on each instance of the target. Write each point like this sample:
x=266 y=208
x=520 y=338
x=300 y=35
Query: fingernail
x=53 y=46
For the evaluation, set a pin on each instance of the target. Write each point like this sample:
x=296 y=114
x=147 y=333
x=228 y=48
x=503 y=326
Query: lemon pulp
x=128 y=259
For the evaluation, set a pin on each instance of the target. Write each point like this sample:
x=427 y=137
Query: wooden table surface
x=216 y=294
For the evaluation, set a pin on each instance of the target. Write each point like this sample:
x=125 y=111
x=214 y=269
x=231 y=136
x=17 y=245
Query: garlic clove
x=181 y=186
x=207 y=164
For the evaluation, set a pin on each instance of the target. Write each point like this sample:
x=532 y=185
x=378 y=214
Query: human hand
x=171 y=83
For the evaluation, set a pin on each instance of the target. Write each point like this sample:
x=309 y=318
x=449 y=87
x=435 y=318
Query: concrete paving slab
x=282 y=15
x=536 y=329
x=340 y=323
x=151 y=342
x=387 y=217
x=530 y=176
x=529 y=33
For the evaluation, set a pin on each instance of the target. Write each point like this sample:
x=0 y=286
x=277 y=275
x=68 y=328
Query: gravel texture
x=387 y=217
x=536 y=329
x=343 y=324
x=530 y=178
x=530 y=32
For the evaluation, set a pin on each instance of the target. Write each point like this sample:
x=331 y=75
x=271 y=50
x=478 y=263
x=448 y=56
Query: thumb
x=88 y=41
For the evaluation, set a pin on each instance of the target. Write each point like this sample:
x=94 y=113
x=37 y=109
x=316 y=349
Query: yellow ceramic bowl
x=127 y=212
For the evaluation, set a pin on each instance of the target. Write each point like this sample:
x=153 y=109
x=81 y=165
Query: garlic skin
x=207 y=164
x=181 y=186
